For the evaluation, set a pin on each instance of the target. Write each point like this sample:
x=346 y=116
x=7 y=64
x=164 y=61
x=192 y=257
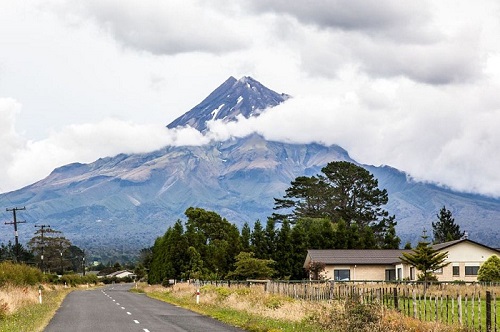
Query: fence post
x=414 y=304
x=459 y=305
x=479 y=310
x=396 y=306
x=488 y=311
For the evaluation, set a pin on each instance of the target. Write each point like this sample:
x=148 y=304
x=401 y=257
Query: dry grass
x=12 y=298
x=327 y=316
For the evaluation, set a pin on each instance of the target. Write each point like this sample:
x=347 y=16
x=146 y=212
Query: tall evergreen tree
x=270 y=237
x=259 y=241
x=344 y=191
x=391 y=240
x=445 y=228
x=283 y=253
x=300 y=245
x=425 y=258
x=246 y=235
x=216 y=239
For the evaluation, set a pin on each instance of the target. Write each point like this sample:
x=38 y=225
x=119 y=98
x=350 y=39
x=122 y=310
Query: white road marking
x=114 y=300
x=128 y=313
x=136 y=321
x=146 y=330
x=123 y=307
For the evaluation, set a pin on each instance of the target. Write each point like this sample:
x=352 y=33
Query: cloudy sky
x=414 y=85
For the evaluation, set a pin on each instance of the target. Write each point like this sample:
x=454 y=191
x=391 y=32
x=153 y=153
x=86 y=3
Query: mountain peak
x=245 y=96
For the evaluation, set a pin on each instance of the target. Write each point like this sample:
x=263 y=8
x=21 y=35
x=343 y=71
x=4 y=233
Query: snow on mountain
x=245 y=96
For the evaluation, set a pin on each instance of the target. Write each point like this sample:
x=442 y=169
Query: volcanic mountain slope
x=126 y=201
x=244 y=97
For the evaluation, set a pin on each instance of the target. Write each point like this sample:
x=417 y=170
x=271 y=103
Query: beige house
x=465 y=257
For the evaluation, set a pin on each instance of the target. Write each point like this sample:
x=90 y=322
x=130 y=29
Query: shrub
x=19 y=274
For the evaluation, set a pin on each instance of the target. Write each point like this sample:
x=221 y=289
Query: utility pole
x=42 y=230
x=15 y=222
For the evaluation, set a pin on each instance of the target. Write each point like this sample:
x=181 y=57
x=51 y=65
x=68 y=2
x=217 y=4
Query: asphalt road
x=114 y=308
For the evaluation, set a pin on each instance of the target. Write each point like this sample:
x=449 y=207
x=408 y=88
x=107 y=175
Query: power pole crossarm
x=15 y=222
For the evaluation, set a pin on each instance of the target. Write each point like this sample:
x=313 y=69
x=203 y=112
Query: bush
x=352 y=316
x=19 y=274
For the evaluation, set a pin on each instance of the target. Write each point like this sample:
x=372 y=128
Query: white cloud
x=26 y=162
x=168 y=27
x=413 y=85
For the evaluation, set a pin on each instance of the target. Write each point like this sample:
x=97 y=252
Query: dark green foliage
x=306 y=197
x=169 y=253
x=345 y=192
x=425 y=258
x=490 y=270
x=391 y=240
x=300 y=245
x=246 y=234
x=249 y=267
x=8 y=253
x=283 y=253
x=445 y=228
x=208 y=245
x=59 y=254
x=270 y=238
x=19 y=274
x=259 y=241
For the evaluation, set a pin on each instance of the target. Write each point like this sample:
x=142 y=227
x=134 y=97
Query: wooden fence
x=473 y=306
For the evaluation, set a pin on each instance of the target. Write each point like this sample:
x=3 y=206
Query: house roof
x=357 y=256
x=117 y=273
x=444 y=245
x=371 y=256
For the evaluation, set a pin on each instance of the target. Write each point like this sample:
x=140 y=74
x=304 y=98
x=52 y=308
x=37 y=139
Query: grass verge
x=254 y=310
x=247 y=321
x=30 y=316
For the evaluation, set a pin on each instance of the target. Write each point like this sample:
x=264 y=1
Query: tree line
x=49 y=250
x=341 y=208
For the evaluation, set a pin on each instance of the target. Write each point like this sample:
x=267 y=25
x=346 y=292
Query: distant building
x=465 y=257
x=121 y=274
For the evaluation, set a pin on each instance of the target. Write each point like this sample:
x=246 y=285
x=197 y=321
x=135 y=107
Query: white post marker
x=40 y=294
x=197 y=296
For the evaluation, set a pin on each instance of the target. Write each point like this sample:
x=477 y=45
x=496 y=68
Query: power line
x=15 y=222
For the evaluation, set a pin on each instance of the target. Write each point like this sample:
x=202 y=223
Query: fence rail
x=472 y=306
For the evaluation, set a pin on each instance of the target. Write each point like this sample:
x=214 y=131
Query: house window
x=400 y=273
x=412 y=273
x=341 y=275
x=390 y=274
x=471 y=270
x=456 y=271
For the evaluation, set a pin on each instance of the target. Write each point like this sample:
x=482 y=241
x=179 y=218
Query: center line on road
x=128 y=313
x=123 y=308
x=146 y=330
x=136 y=321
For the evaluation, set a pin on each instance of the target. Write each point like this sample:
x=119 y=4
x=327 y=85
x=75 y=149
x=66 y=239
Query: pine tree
x=445 y=229
x=344 y=191
x=246 y=234
x=283 y=253
x=259 y=241
x=425 y=258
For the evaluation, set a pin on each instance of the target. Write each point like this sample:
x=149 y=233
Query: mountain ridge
x=133 y=198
